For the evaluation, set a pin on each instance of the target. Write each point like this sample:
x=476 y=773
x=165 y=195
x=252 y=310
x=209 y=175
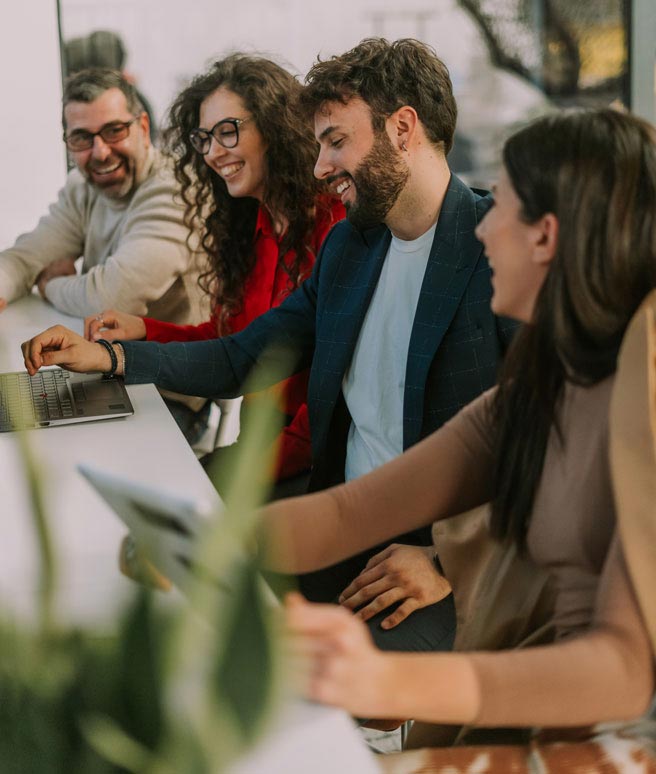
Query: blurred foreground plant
x=186 y=691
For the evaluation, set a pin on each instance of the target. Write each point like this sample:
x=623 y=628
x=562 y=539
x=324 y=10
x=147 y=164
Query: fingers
x=312 y=618
x=97 y=326
x=59 y=346
x=381 y=556
x=369 y=592
x=3 y=304
x=400 y=614
x=365 y=578
x=34 y=348
x=380 y=603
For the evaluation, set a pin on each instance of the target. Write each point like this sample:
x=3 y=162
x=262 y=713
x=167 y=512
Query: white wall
x=32 y=155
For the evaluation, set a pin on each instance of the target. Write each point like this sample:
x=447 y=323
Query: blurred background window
x=510 y=60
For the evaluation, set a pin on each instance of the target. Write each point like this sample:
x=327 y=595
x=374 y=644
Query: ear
x=144 y=124
x=546 y=239
x=403 y=124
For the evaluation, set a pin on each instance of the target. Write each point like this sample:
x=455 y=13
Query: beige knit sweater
x=135 y=256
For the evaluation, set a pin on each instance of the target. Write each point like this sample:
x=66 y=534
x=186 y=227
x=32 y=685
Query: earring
x=404 y=147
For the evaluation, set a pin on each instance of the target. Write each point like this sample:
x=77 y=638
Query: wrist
x=120 y=356
x=109 y=360
x=391 y=684
x=41 y=282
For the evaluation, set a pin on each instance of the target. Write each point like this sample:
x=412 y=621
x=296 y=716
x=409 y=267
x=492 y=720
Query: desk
x=147 y=446
x=150 y=448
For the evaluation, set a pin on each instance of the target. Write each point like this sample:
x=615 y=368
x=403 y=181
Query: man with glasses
x=117 y=210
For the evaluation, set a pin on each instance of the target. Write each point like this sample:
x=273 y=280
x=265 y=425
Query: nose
x=323 y=166
x=216 y=151
x=100 y=150
x=481 y=228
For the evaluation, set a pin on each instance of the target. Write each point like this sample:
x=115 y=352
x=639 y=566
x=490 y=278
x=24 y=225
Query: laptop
x=167 y=527
x=55 y=397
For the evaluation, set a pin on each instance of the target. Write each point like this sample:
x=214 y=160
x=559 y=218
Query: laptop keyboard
x=26 y=399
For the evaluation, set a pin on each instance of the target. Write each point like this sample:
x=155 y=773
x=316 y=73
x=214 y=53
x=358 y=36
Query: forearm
x=440 y=688
x=128 y=280
x=603 y=674
x=58 y=235
x=191 y=368
x=157 y=330
x=435 y=479
x=14 y=282
x=606 y=673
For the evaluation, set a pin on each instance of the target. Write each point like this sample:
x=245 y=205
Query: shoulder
x=76 y=192
x=477 y=199
x=159 y=190
x=482 y=201
x=160 y=176
x=338 y=236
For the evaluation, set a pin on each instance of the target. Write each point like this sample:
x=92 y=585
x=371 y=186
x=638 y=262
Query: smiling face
x=113 y=168
x=519 y=252
x=242 y=168
x=359 y=164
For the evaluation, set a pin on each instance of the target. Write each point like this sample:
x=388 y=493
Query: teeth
x=106 y=171
x=230 y=169
x=343 y=186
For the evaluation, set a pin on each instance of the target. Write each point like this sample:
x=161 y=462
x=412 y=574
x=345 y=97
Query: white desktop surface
x=150 y=448
x=147 y=446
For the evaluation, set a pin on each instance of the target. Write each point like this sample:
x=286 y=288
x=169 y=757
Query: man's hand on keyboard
x=60 y=346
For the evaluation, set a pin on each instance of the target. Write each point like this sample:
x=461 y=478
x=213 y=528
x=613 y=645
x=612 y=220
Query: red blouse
x=266 y=287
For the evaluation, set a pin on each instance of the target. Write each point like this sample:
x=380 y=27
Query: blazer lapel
x=453 y=257
x=357 y=277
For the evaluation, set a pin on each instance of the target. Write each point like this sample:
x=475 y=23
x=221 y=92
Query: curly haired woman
x=244 y=160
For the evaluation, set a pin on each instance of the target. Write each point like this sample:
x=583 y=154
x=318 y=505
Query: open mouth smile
x=106 y=170
x=229 y=170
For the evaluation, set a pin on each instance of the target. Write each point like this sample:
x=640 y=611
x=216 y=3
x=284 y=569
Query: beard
x=379 y=179
x=116 y=189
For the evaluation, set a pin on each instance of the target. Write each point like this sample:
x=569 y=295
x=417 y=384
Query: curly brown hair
x=227 y=224
x=388 y=76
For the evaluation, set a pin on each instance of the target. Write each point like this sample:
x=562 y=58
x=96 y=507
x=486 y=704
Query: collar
x=263 y=223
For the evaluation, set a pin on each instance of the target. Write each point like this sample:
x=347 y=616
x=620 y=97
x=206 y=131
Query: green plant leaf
x=109 y=740
x=247 y=661
x=139 y=672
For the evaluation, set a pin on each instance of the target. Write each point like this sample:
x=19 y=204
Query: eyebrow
x=328 y=130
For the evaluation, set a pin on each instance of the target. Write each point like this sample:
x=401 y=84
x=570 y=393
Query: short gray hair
x=87 y=85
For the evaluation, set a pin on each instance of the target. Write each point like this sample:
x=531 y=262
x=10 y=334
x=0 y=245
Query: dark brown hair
x=388 y=76
x=227 y=225
x=596 y=171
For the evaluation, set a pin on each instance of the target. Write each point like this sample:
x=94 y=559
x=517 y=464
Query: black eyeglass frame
x=91 y=136
x=205 y=135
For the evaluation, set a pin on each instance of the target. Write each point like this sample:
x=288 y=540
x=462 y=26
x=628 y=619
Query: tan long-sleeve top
x=601 y=667
x=136 y=257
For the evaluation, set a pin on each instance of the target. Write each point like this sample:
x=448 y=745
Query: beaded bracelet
x=112 y=354
x=121 y=356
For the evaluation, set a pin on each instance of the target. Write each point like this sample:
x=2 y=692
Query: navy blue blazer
x=455 y=345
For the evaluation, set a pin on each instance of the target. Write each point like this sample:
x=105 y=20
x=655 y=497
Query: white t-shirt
x=374 y=383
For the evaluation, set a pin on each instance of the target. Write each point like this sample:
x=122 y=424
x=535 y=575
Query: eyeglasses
x=226 y=133
x=80 y=139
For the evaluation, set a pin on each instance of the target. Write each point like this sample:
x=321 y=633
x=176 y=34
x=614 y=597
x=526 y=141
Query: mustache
x=334 y=178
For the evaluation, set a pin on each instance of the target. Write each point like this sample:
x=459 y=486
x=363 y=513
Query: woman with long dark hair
x=572 y=243
x=244 y=161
